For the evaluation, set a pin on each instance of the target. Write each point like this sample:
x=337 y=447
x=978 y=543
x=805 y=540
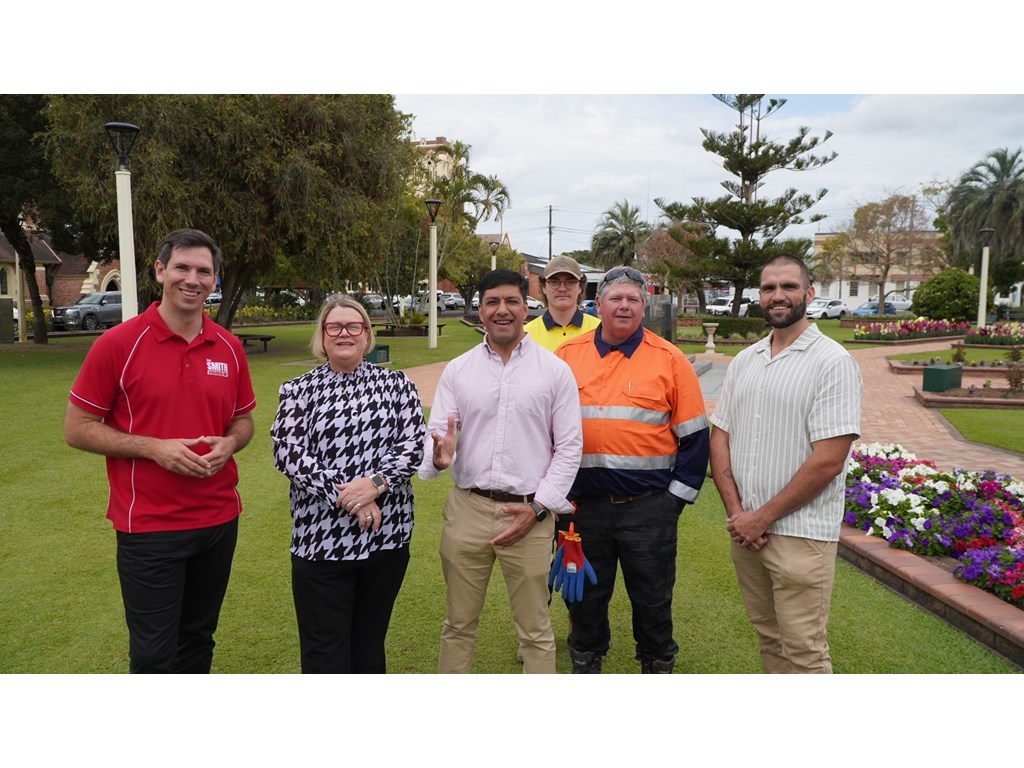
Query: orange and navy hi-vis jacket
x=644 y=426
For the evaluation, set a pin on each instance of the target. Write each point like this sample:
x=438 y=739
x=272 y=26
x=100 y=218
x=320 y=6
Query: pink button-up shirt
x=519 y=423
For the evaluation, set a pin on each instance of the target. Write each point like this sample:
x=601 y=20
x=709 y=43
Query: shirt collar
x=549 y=321
x=520 y=348
x=810 y=335
x=628 y=347
x=163 y=332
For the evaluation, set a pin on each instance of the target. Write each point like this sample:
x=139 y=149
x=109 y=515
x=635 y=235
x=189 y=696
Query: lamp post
x=433 y=206
x=122 y=138
x=986 y=235
x=494 y=256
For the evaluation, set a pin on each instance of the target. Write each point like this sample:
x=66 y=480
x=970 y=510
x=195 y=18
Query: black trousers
x=173 y=585
x=641 y=536
x=343 y=608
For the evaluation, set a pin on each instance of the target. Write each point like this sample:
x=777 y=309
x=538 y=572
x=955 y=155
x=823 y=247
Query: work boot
x=586 y=662
x=658 y=666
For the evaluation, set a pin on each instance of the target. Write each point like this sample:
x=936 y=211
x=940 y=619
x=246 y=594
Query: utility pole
x=550 y=230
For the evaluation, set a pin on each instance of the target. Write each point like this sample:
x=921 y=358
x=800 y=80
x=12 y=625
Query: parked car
x=532 y=303
x=403 y=302
x=871 y=308
x=822 y=309
x=373 y=301
x=213 y=300
x=89 y=312
x=454 y=301
x=723 y=305
x=589 y=306
x=898 y=300
x=475 y=301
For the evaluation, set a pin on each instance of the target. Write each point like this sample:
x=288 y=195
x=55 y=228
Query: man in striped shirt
x=783 y=431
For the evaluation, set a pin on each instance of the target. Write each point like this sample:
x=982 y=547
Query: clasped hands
x=748 y=529
x=359 y=497
x=183 y=458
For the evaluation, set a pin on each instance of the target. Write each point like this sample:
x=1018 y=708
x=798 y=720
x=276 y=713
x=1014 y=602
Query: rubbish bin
x=6 y=321
x=381 y=353
x=939 y=378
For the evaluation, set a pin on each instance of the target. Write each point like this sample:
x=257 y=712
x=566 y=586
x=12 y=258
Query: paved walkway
x=891 y=414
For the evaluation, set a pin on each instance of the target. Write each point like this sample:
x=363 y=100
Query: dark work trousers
x=173 y=584
x=641 y=536
x=343 y=608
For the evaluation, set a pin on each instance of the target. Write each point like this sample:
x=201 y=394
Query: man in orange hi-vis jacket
x=645 y=456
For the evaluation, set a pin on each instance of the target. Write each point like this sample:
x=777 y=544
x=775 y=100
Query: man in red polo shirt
x=166 y=397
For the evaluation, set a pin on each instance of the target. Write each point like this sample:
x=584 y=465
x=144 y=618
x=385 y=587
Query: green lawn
x=61 y=609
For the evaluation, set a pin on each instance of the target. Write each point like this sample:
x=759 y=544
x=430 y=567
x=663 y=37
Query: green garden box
x=381 y=353
x=939 y=378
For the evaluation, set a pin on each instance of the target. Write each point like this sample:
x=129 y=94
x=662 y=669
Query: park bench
x=399 y=329
x=247 y=338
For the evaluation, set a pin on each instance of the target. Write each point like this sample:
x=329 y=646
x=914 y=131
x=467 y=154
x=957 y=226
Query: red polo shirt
x=144 y=379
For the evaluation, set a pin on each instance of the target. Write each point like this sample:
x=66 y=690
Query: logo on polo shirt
x=216 y=369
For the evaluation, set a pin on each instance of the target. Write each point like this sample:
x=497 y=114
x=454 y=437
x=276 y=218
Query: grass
x=62 y=613
x=998 y=428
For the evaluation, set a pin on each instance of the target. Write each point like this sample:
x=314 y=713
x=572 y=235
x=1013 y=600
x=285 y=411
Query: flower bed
x=976 y=518
x=907 y=330
x=998 y=335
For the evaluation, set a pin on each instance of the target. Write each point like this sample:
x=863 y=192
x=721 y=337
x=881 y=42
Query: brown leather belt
x=502 y=496
x=627 y=499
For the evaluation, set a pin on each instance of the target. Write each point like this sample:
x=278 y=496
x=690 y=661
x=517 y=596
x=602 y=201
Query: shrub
x=951 y=295
x=743 y=326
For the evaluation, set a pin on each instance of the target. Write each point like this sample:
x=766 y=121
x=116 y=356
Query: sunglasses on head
x=627 y=272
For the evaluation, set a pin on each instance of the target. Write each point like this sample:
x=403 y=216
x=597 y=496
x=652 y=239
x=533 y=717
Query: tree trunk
x=23 y=248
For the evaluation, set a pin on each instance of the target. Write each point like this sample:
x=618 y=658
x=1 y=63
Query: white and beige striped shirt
x=775 y=408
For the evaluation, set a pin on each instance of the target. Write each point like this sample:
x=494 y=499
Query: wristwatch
x=378 y=482
x=539 y=510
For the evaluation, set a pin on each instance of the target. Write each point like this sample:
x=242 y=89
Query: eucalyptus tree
x=749 y=155
x=311 y=181
x=619 y=235
x=884 y=235
x=990 y=195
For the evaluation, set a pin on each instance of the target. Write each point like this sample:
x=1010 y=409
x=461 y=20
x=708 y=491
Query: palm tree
x=990 y=195
x=618 y=235
x=468 y=197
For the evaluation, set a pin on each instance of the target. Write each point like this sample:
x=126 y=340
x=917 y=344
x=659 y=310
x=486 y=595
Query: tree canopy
x=990 y=195
x=749 y=156
x=884 y=235
x=619 y=235
x=314 y=182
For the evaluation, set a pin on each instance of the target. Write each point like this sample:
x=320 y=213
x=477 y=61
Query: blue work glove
x=570 y=567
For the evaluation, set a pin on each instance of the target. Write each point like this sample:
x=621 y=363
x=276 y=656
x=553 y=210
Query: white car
x=723 y=306
x=533 y=303
x=822 y=309
x=900 y=302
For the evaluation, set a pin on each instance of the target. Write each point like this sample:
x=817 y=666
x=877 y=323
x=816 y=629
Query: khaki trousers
x=787 y=588
x=467 y=559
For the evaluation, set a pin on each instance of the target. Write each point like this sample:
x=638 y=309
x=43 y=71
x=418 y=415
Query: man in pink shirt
x=506 y=419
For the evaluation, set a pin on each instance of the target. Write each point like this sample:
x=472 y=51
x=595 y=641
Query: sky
x=580 y=154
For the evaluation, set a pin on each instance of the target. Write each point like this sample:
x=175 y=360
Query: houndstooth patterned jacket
x=336 y=427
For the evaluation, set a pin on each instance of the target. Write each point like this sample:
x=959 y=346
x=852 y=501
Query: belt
x=502 y=496
x=627 y=499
